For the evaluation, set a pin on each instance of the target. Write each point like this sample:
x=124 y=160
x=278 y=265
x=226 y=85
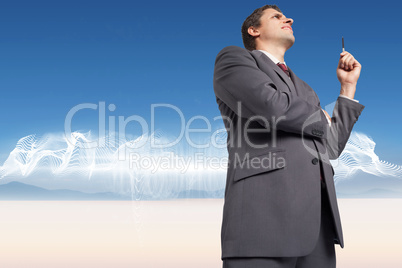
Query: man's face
x=275 y=29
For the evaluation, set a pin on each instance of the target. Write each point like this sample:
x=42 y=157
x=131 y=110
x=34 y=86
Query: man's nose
x=289 y=20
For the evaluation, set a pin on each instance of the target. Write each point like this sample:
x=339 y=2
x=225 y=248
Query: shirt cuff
x=328 y=120
x=346 y=97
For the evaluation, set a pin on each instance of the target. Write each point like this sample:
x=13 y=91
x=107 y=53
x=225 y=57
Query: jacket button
x=314 y=161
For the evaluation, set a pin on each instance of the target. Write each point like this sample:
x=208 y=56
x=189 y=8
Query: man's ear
x=253 y=31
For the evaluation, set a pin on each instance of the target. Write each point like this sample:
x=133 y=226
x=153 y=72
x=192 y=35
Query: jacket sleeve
x=251 y=93
x=345 y=114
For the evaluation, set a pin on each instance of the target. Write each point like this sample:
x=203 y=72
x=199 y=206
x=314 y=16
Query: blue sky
x=56 y=55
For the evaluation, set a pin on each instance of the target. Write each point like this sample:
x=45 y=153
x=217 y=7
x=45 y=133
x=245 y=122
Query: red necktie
x=284 y=68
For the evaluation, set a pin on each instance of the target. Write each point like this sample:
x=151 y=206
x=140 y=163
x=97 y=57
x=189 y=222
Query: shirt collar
x=275 y=60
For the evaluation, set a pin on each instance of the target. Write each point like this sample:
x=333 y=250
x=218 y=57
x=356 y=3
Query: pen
x=343 y=45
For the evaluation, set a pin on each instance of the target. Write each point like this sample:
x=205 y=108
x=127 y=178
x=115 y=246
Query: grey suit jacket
x=278 y=140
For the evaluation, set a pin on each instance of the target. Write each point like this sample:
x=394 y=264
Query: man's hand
x=348 y=73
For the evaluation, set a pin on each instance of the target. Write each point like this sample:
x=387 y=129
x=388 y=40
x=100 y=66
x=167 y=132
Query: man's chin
x=288 y=42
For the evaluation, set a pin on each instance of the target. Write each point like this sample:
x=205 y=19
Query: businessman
x=280 y=205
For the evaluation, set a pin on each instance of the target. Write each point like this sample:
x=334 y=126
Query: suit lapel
x=267 y=67
x=295 y=79
x=294 y=85
x=304 y=90
x=288 y=80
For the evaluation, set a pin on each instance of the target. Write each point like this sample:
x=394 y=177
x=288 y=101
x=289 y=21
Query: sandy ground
x=168 y=234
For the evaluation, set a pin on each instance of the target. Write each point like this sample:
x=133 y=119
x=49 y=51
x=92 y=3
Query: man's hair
x=253 y=20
